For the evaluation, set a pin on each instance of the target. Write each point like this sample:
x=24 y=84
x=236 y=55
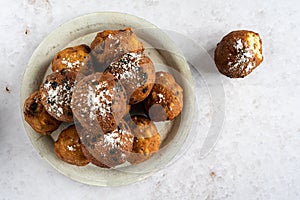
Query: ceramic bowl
x=165 y=55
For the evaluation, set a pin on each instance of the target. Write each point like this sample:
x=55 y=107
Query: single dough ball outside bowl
x=238 y=53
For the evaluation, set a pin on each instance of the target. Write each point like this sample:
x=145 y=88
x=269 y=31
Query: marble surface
x=257 y=155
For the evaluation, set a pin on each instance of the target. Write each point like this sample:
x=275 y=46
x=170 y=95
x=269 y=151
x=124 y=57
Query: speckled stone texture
x=258 y=153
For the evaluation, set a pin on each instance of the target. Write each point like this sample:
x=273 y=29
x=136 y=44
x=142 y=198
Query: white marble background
x=258 y=153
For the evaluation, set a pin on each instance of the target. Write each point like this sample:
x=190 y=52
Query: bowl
x=165 y=56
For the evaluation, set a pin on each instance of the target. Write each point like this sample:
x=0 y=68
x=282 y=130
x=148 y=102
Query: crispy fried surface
x=109 y=45
x=238 y=53
x=37 y=117
x=92 y=159
x=111 y=148
x=146 y=139
x=76 y=58
x=99 y=102
x=68 y=147
x=136 y=73
x=56 y=92
x=165 y=101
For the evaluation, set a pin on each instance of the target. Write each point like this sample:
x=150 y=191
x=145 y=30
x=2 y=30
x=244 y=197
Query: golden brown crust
x=165 y=101
x=68 y=147
x=99 y=102
x=56 y=92
x=109 y=149
x=37 y=117
x=87 y=137
x=109 y=45
x=92 y=159
x=136 y=73
x=76 y=58
x=238 y=53
x=146 y=139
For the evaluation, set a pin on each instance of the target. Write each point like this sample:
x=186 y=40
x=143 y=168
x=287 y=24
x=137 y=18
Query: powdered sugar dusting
x=95 y=100
x=115 y=38
x=58 y=96
x=117 y=139
x=239 y=44
x=128 y=68
x=70 y=64
x=99 y=101
x=243 y=57
x=249 y=67
x=161 y=97
x=110 y=36
x=71 y=147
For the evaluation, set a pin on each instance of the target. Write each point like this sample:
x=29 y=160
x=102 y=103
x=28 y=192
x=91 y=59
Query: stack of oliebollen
x=95 y=87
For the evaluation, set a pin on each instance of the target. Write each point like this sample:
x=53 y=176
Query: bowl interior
x=165 y=56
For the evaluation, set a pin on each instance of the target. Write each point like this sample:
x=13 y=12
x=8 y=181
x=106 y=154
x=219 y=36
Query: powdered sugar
x=70 y=64
x=249 y=67
x=127 y=69
x=71 y=148
x=95 y=100
x=117 y=139
x=161 y=97
x=110 y=36
x=112 y=139
x=243 y=57
x=58 y=96
x=99 y=101
x=239 y=44
x=115 y=38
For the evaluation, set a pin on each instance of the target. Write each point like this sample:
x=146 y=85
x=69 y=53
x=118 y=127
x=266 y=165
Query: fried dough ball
x=68 y=147
x=37 y=117
x=84 y=135
x=109 y=45
x=76 y=58
x=146 y=139
x=56 y=92
x=165 y=101
x=136 y=73
x=109 y=149
x=99 y=102
x=238 y=53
